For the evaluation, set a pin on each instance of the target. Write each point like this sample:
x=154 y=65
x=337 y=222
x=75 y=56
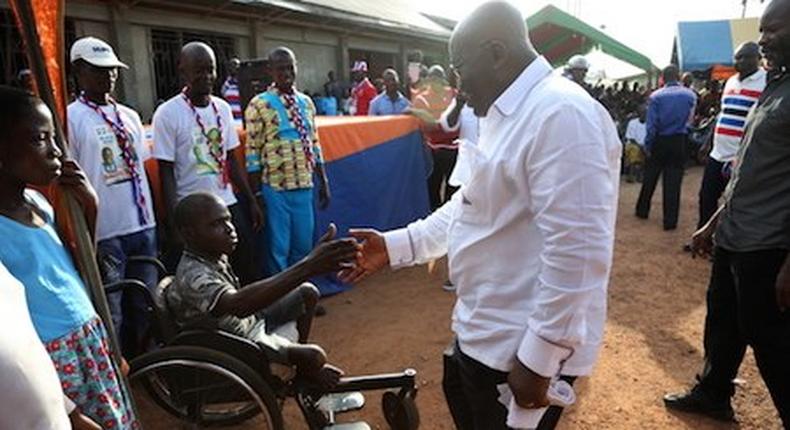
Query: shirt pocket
x=475 y=203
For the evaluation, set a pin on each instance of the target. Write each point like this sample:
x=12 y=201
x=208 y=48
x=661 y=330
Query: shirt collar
x=672 y=84
x=221 y=262
x=519 y=90
x=754 y=76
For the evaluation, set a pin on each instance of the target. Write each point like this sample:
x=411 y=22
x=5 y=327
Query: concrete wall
x=129 y=30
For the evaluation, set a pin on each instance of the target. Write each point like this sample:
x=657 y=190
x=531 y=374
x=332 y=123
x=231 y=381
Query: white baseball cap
x=360 y=66
x=578 y=62
x=96 y=52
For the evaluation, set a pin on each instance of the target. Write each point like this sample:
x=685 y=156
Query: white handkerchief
x=560 y=394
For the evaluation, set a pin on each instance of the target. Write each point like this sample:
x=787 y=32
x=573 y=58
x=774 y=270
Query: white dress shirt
x=467 y=126
x=530 y=237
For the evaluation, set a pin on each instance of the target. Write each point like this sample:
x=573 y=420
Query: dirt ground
x=653 y=338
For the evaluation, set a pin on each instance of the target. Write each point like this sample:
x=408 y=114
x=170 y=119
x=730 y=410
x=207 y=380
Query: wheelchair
x=200 y=377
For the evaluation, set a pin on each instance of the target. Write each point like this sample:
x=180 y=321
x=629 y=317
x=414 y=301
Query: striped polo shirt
x=230 y=92
x=737 y=100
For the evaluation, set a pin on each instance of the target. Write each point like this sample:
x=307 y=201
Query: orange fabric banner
x=340 y=137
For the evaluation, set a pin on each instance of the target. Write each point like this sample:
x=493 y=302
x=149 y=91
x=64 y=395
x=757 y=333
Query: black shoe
x=697 y=401
x=641 y=216
x=320 y=311
x=670 y=227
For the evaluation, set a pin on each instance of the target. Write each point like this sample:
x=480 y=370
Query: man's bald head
x=196 y=50
x=489 y=49
x=775 y=33
x=281 y=53
x=391 y=81
x=282 y=66
x=495 y=20
x=671 y=73
x=205 y=224
x=192 y=206
x=198 y=67
x=747 y=59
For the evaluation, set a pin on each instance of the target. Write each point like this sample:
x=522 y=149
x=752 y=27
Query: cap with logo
x=360 y=66
x=96 y=52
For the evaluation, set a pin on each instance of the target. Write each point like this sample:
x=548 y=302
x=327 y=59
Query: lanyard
x=217 y=150
x=127 y=153
x=301 y=127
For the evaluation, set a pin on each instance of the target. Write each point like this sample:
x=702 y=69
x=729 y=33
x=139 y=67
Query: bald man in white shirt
x=529 y=238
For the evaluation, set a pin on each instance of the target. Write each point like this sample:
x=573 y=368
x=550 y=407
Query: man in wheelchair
x=275 y=312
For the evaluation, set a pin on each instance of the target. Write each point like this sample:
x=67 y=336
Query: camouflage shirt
x=197 y=288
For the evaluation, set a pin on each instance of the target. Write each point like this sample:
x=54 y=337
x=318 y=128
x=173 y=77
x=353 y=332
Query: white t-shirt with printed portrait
x=179 y=139
x=95 y=147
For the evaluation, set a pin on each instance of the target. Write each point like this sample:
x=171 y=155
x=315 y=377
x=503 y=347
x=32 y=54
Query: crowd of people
x=513 y=131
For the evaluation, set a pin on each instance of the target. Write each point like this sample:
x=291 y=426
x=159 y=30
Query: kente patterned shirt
x=282 y=142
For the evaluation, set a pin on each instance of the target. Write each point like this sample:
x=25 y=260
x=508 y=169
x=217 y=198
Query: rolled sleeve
x=399 y=248
x=541 y=356
x=69 y=405
x=443 y=119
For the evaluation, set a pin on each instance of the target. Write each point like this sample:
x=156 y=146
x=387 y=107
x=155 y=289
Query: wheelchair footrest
x=349 y=426
x=337 y=403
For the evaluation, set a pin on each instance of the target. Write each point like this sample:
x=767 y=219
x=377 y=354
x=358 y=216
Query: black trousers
x=742 y=310
x=713 y=184
x=243 y=260
x=667 y=158
x=443 y=165
x=470 y=389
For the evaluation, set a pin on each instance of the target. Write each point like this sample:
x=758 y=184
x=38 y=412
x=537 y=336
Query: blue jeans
x=290 y=223
x=128 y=309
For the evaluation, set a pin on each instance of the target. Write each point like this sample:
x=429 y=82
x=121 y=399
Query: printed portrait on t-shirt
x=114 y=168
x=203 y=149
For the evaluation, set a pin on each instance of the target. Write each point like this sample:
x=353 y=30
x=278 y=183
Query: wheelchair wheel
x=201 y=387
x=400 y=410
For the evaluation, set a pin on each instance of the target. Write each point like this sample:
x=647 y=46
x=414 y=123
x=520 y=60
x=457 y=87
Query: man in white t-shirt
x=31 y=397
x=194 y=140
x=635 y=134
x=740 y=94
x=107 y=140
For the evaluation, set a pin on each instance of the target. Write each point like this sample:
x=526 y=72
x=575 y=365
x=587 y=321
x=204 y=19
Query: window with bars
x=166 y=46
x=12 y=51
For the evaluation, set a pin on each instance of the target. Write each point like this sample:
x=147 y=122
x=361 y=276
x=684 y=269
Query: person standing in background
x=230 y=91
x=669 y=114
x=740 y=93
x=283 y=153
x=363 y=92
x=391 y=101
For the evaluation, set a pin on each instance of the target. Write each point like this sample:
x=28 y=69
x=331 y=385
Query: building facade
x=148 y=36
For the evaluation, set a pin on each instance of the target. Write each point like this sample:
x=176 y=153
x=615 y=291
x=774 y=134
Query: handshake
x=353 y=258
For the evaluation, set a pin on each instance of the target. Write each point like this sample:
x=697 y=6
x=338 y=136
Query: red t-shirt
x=362 y=95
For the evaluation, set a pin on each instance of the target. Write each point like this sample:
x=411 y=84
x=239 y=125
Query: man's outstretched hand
x=373 y=258
x=331 y=255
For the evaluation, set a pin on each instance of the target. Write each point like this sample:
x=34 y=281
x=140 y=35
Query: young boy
x=207 y=292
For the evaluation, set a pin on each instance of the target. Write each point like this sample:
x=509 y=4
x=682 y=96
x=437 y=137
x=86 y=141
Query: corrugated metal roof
x=394 y=14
